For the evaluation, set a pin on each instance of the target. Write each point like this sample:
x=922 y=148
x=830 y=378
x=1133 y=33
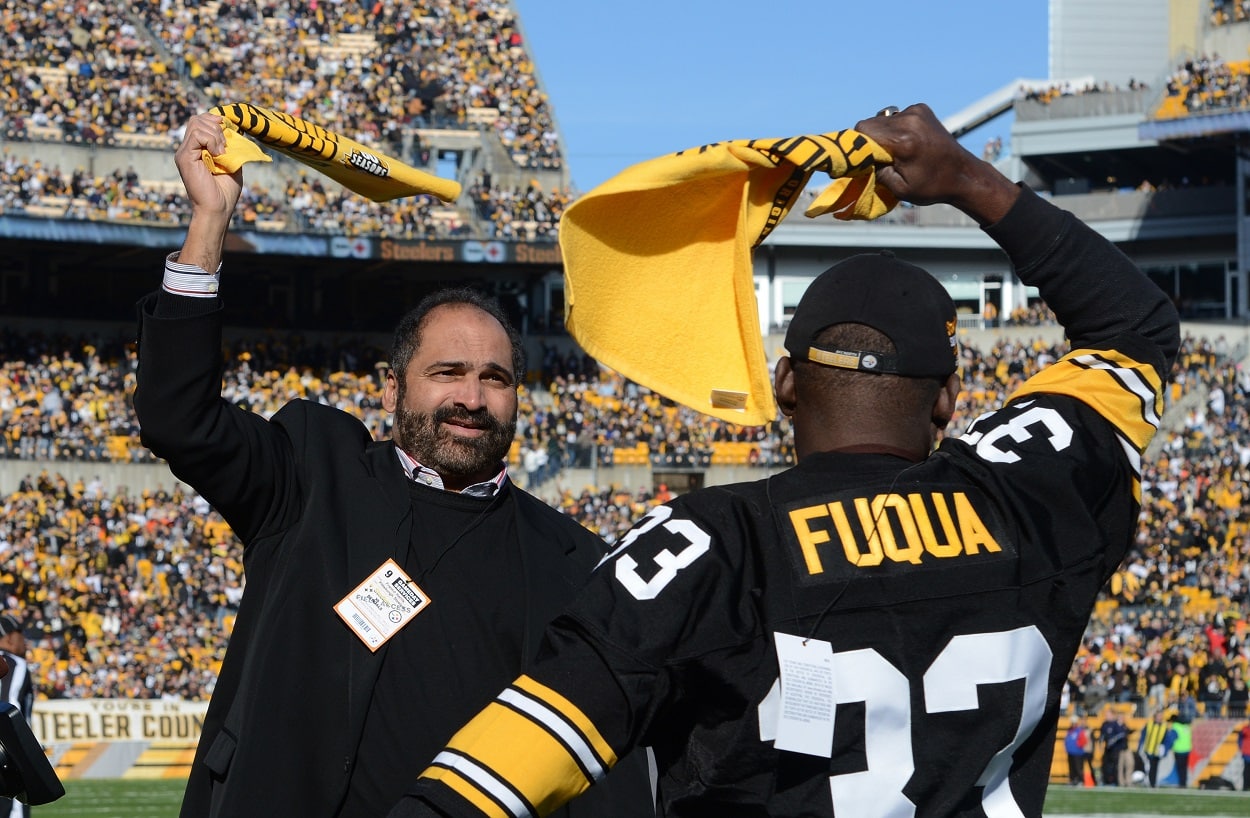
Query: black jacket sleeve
x=240 y=462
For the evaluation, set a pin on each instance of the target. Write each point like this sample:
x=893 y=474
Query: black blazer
x=318 y=505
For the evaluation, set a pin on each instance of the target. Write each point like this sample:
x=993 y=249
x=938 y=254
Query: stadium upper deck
x=92 y=92
x=127 y=74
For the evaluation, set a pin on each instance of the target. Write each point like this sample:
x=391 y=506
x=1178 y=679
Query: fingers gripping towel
x=658 y=271
x=357 y=167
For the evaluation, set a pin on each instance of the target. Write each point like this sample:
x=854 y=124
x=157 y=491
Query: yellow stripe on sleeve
x=572 y=714
x=467 y=790
x=1126 y=393
x=518 y=750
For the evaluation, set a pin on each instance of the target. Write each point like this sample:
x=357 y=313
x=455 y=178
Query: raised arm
x=231 y=456
x=213 y=196
x=1096 y=292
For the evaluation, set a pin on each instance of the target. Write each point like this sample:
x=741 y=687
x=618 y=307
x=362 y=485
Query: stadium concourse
x=130 y=583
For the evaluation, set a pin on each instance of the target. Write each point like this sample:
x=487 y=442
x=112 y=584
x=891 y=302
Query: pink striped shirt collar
x=428 y=477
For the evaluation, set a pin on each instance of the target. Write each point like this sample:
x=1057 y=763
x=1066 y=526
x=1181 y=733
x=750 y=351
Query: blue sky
x=635 y=80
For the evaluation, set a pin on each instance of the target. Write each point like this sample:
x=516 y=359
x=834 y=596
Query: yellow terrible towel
x=355 y=166
x=657 y=261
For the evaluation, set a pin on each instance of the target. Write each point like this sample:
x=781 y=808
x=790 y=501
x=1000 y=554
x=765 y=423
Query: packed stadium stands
x=305 y=205
x=118 y=75
x=1206 y=84
x=126 y=76
x=130 y=592
x=351 y=69
x=1224 y=12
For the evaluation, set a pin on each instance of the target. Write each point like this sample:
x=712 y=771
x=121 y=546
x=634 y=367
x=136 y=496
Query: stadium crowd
x=66 y=398
x=1209 y=84
x=1048 y=94
x=131 y=593
x=1175 y=626
x=1224 y=12
x=117 y=74
x=308 y=204
x=105 y=71
x=128 y=75
x=530 y=214
x=84 y=72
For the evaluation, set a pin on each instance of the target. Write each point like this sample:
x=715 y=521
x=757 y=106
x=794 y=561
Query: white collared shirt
x=428 y=477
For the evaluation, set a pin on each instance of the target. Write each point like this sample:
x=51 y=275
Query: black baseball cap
x=900 y=300
x=9 y=624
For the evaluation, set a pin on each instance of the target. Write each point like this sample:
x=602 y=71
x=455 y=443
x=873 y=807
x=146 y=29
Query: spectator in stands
x=534 y=461
x=990 y=314
x=1213 y=683
x=314 y=711
x=1238 y=692
x=1186 y=704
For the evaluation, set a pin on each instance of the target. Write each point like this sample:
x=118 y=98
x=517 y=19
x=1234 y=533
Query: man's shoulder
x=548 y=527
x=715 y=499
x=312 y=408
x=540 y=513
x=300 y=414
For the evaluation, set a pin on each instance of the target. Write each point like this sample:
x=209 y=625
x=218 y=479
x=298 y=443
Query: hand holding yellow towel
x=357 y=167
x=659 y=282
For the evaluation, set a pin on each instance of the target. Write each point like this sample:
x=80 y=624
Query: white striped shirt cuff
x=190 y=279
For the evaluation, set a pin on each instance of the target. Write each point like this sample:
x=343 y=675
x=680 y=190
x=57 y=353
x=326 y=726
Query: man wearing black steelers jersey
x=884 y=629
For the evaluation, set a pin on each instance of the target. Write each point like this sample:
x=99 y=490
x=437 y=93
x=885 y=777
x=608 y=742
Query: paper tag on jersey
x=379 y=607
x=805 y=714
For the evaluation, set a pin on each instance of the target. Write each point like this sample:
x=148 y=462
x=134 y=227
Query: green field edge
x=160 y=798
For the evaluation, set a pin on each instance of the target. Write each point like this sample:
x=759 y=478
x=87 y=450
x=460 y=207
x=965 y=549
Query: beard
x=424 y=437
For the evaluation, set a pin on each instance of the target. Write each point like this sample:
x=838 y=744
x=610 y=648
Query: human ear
x=944 y=405
x=390 y=393
x=783 y=386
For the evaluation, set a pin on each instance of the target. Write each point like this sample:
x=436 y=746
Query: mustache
x=459 y=414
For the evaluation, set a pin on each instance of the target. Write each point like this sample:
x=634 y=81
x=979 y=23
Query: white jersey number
x=950 y=684
x=669 y=563
x=1033 y=421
